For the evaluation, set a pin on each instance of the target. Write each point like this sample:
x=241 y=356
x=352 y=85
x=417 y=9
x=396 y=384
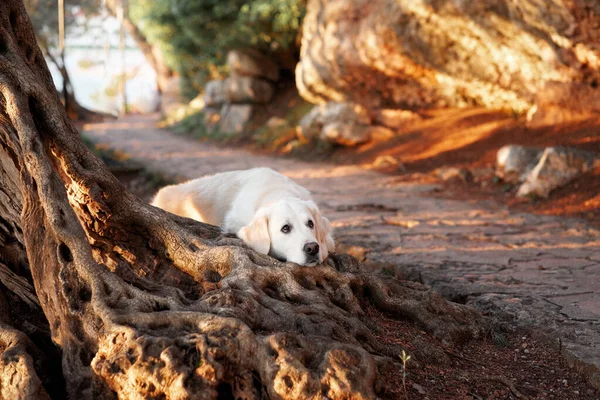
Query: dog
x=271 y=213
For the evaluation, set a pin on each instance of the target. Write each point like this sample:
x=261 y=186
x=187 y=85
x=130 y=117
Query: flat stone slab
x=522 y=269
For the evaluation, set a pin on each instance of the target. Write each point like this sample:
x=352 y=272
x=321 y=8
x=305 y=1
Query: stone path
x=524 y=269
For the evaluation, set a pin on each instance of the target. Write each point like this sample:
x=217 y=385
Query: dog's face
x=290 y=230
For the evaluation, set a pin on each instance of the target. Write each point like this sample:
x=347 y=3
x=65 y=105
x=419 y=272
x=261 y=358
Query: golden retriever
x=267 y=210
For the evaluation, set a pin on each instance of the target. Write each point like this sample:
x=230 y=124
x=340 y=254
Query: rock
x=347 y=124
x=407 y=54
x=252 y=63
x=214 y=93
x=387 y=162
x=312 y=124
x=514 y=162
x=237 y=89
x=393 y=118
x=235 y=118
x=276 y=123
x=245 y=89
x=419 y=388
x=557 y=167
x=345 y=134
x=452 y=173
x=380 y=133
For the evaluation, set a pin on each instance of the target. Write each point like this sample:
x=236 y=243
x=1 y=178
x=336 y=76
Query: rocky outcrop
x=412 y=54
x=541 y=171
x=230 y=102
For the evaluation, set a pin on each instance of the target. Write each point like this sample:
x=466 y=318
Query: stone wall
x=230 y=103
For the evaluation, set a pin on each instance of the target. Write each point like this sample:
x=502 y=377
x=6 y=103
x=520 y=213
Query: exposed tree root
x=145 y=304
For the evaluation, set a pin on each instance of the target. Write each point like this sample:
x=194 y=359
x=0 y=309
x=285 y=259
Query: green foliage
x=44 y=17
x=195 y=35
x=193 y=125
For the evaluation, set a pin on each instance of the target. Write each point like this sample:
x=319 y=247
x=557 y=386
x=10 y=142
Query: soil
x=130 y=173
x=502 y=366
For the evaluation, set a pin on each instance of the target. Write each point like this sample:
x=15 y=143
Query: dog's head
x=290 y=230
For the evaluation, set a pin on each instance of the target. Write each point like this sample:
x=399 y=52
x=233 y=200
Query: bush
x=195 y=35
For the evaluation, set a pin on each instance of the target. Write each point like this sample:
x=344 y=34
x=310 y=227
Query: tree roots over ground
x=143 y=304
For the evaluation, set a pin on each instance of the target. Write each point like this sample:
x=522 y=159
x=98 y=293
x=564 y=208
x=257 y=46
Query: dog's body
x=257 y=205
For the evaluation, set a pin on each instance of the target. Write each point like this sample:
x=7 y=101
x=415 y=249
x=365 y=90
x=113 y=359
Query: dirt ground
x=520 y=367
x=502 y=366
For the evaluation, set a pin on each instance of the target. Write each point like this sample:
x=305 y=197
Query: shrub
x=195 y=35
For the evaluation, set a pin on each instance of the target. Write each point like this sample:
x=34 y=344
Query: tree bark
x=163 y=72
x=144 y=304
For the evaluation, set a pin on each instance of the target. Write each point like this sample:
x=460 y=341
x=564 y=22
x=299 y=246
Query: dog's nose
x=312 y=249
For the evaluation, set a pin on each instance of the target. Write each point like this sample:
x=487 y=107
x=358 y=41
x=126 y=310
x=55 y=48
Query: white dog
x=271 y=213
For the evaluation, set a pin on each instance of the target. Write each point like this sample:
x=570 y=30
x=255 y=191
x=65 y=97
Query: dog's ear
x=324 y=236
x=256 y=233
x=322 y=231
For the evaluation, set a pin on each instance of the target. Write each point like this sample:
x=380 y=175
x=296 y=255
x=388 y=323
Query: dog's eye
x=310 y=224
x=286 y=229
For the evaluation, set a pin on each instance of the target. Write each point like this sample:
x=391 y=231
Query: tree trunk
x=144 y=304
x=163 y=72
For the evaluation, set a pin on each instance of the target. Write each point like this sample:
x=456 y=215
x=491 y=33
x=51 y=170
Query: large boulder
x=346 y=124
x=245 y=89
x=238 y=89
x=345 y=134
x=557 y=167
x=409 y=54
x=312 y=124
x=250 y=62
x=514 y=162
x=214 y=93
x=235 y=118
